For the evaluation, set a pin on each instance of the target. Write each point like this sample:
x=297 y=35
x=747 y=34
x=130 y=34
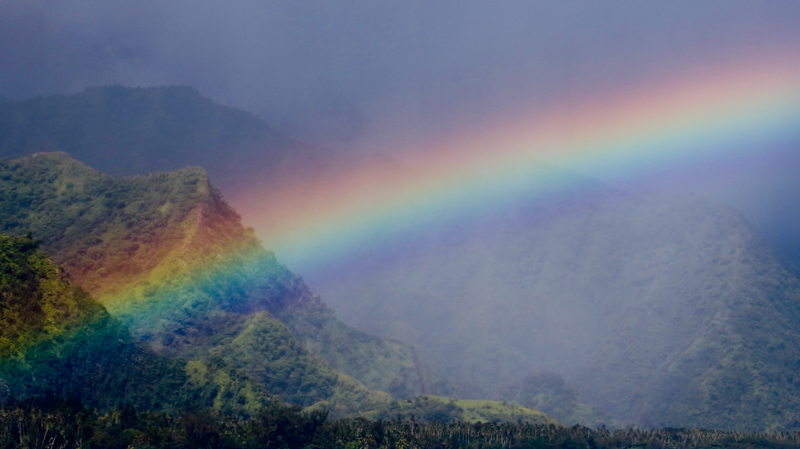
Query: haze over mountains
x=656 y=310
x=137 y=131
x=122 y=131
x=56 y=339
x=659 y=310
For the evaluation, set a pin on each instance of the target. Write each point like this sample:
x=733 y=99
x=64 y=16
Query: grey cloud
x=367 y=76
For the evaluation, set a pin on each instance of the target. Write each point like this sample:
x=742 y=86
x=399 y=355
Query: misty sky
x=382 y=76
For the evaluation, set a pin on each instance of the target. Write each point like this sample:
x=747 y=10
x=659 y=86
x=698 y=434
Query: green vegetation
x=381 y=363
x=547 y=392
x=103 y=230
x=137 y=131
x=656 y=311
x=117 y=235
x=55 y=339
x=440 y=409
x=166 y=255
x=54 y=422
x=264 y=349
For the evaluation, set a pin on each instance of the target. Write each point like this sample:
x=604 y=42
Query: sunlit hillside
x=168 y=256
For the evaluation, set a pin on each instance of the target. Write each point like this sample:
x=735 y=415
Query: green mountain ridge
x=166 y=255
x=140 y=131
x=55 y=339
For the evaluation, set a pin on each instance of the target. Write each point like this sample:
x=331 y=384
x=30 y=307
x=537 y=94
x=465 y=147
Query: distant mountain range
x=137 y=131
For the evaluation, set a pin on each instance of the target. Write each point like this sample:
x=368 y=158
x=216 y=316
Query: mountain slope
x=54 y=338
x=720 y=322
x=659 y=310
x=166 y=255
x=137 y=131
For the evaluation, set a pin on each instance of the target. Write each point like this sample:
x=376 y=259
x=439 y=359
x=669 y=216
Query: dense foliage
x=441 y=409
x=102 y=230
x=166 y=255
x=108 y=231
x=54 y=422
x=547 y=391
x=379 y=362
x=136 y=131
x=658 y=311
x=54 y=338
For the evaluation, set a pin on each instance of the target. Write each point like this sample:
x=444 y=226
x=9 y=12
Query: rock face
x=170 y=258
x=659 y=310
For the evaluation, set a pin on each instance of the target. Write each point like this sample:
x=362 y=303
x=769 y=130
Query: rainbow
x=699 y=116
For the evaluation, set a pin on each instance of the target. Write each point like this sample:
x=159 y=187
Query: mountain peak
x=169 y=257
x=108 y=231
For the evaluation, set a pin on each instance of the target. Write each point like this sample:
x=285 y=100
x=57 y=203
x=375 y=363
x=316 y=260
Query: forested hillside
x=55 y=339
x=657 y=310
x=169 y=257
x=52 y=422
x=548 y=391
x=446 y=410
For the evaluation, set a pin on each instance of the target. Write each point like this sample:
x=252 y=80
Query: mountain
x=54 y=338
x=167 y=256
x=657 y=310
x=137 y=131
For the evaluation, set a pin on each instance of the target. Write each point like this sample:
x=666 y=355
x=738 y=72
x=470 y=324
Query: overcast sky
x=381 y=75
x=346 y=72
